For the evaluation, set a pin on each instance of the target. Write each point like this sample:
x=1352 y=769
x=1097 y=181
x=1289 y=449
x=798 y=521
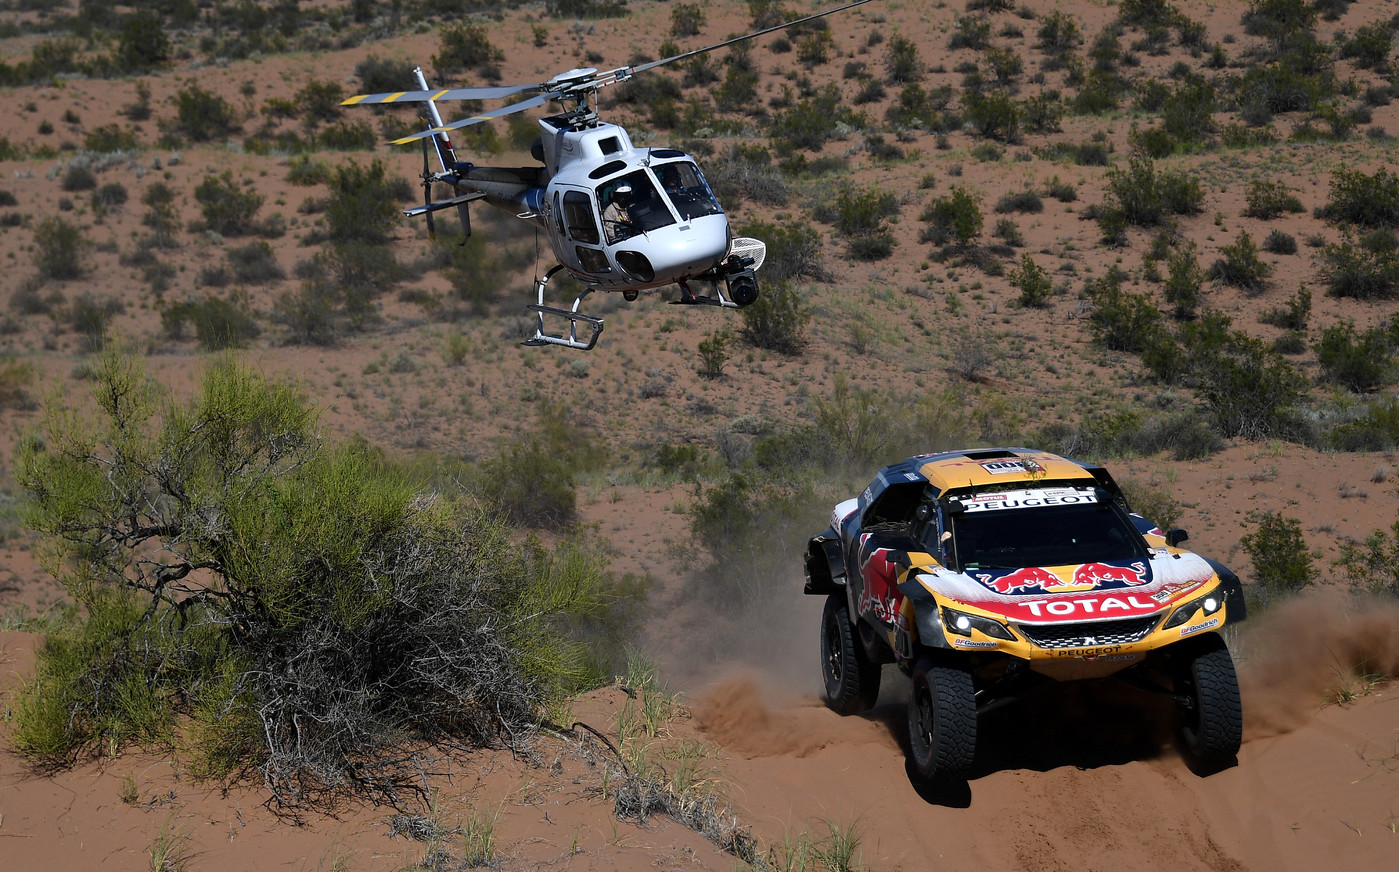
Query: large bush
x=308 y=610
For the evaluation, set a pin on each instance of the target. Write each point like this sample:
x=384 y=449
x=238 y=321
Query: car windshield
x=1008 y=535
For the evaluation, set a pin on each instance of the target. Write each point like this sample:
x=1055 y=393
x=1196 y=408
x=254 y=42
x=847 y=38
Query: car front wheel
x=852 y=680
x=1212 y=723
x=941 y=720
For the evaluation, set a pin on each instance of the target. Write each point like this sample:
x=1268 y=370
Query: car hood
x=1075 y=592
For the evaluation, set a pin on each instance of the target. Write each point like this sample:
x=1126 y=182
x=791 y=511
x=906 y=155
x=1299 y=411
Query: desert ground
x=1089 y=779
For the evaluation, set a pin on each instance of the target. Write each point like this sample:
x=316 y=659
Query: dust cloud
x=1301 y=653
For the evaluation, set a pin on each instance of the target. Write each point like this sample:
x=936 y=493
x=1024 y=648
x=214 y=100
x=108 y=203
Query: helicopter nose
x=680 y=251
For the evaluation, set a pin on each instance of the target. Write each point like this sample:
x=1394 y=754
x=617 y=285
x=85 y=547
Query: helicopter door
x=580 y=223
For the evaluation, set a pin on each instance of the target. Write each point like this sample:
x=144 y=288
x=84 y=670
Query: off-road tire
x=852 y=680
x=1212 y=726
x=941 y=721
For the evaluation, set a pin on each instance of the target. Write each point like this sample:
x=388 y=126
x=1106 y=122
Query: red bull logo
x=1097 y=574
x=1020 y=579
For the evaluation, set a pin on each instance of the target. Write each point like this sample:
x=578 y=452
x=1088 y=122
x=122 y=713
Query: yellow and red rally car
x=984 y=573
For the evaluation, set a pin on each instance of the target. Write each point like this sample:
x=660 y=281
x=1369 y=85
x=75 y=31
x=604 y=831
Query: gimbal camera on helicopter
x=618 y=218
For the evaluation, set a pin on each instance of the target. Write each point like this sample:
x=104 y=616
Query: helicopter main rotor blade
x=689 y=54
x=494 y=93
x=477 y=119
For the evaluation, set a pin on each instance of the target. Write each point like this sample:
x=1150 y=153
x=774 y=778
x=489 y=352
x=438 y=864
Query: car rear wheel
x=941 y=720
x=852 y=680
x=1212 y=724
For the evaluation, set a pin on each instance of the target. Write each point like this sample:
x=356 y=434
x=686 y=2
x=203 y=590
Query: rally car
x=985 y=573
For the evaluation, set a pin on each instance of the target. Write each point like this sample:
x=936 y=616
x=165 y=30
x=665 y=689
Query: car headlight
x=962 y=624
x=1209 y=604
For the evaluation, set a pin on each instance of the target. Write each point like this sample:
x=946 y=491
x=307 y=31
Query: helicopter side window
x=578 y=215
x=687 y=190
x=631 y=204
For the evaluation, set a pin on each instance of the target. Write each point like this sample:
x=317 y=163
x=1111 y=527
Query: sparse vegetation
x=1282 y=565
x=319 y=551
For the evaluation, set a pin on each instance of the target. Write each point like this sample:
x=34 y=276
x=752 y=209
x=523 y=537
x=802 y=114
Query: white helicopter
x=618 y=217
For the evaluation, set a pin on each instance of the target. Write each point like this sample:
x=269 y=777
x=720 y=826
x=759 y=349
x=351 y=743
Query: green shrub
x=1280 y=242
x=1370 y=47
x=1267 y=199
x=1375 y=428
x=812 y=122
x=1033 y=282
x=218 y=323
x=228 y=207
x=1188 y=114
x=686 y=19
x=1121 y=321
x=465 y=46
x=347 y=607
x=107 y=199
x=203 y=116
x=777 y=320
x=1058 y=34
x=1240 y=266
x=1145 y=197
x=255 y=263
x=318 y=101
x=1366 y=201
x=532 y=478
x=385 y=75
x=970 y=31
x=1182 y=286
x=1368 y=270
x=1027 y=202
x=954 y=218
x=60 y=250
x=350 y=135
x=78 y=176
x=1250 y=390
x=1282 y=565
x=994 y=115
x=901 y=61
x=89 y=317
x=1359 y=361
x=1294 y=315
x=15 y=378
x=714 y=353
x=162 y=216
x=142 y=42
x=363 y=207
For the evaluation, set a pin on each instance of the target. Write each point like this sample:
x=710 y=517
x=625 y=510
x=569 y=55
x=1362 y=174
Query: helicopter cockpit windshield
x=687 y=190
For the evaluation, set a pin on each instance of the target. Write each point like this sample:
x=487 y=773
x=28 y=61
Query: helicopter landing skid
x=570 y=340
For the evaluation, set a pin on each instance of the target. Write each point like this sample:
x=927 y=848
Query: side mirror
x=1176 y=536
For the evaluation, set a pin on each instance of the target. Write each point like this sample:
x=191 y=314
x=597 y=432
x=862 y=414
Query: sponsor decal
x=1085 y=577
x=1188 y=631
x=1028 y=500
x=1083 y=606
x=1087 y=653
x=1003 y=467
x=1097 y=574
x=879 y=571
x=1019 y=579
x=1173 y=588
x=959 y=642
